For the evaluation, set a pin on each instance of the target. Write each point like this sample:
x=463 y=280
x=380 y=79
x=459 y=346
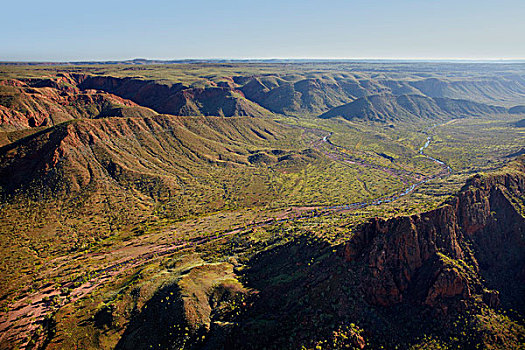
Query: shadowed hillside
x=176 y=99
x=386 y=108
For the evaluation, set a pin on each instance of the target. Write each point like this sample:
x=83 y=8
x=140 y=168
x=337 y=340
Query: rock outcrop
x=51 y=101
x=434 y=257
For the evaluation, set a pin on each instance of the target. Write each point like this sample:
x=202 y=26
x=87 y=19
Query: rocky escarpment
x=347 y=95
x=471 y=246
x=155 y=150
x=312 y=95
x=50 y=101
x=446 y=274
x=176 y=99
x=299 y=94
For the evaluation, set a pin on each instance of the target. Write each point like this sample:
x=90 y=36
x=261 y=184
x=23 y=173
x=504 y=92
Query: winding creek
x=429 y=139
x=390 y=198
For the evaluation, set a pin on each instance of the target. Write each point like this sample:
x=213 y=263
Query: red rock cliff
x=444 y=253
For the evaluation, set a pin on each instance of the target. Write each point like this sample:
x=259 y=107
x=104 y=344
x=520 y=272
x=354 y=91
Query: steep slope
x=517 y=110
x=409 y=107
x=304 y=92
x=132 y=152
x=465 y=108
x=167 y=165
x=176 y=99
x=312 y=95
x=315 y=93
x=469 y=250
x=50 y=101
x=493 y=90
x=520 y=123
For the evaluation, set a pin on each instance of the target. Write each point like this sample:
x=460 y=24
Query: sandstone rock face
x=177 y=99
x=47 y=102
x=432 y=257
x=448 y=283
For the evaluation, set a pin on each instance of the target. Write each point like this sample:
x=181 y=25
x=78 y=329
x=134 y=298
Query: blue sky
x=106 y=30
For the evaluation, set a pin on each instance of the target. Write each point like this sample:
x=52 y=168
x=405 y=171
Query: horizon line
x=335 y=59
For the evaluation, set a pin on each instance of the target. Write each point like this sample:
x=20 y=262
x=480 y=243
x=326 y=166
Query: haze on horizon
x=205 y=29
